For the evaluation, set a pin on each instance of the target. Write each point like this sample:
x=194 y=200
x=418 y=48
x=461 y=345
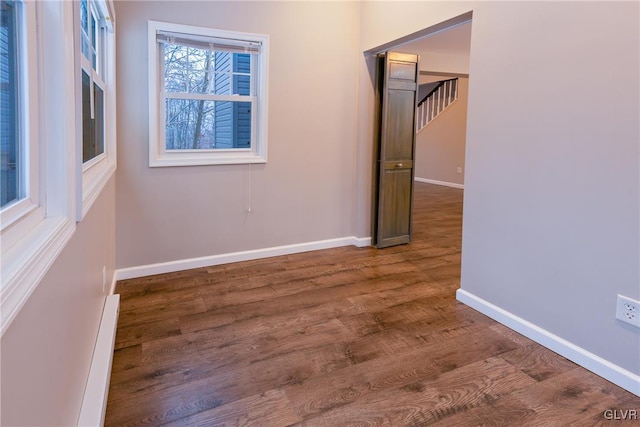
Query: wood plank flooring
x=340 y=337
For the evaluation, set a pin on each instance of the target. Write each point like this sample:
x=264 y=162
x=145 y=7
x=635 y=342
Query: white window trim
x=93 y=175
x=158 y=155
x=31 y=243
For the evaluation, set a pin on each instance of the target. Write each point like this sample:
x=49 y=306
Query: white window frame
x=93 y=175
x=158 y=155
x=33 y=237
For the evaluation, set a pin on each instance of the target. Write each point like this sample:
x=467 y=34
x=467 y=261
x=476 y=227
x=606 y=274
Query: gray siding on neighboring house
x=222 y=127
x=232 y=127
x=241 y=110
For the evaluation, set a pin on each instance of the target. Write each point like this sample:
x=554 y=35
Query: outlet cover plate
x=628 y=310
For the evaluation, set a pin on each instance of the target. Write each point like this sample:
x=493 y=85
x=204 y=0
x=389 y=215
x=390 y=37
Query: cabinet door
x=393 y=193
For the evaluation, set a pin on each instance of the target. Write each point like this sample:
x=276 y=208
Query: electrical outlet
x=459 y=169
x=628 y=310
x=104 y=277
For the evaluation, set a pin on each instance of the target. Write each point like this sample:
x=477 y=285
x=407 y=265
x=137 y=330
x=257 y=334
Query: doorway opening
x=444 y=52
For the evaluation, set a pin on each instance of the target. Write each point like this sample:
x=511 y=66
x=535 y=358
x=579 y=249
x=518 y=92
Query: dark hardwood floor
x=340 y=337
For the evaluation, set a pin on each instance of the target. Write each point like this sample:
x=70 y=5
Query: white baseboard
x=599 y=366
x=94 y=402
x=443 y=183
x=360 y=242
x=207 y=261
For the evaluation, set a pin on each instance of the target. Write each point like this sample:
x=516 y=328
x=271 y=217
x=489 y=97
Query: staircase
x=434 y=98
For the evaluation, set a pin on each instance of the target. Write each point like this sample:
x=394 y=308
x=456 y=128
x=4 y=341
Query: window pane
x=205 y=125
x=232 y=73
x=84 y=25
x=94 y=39
x=84 y=13
x=10 y=162
x=192 y=70
x=85 y=45
x=98 y=101
x=92 y=128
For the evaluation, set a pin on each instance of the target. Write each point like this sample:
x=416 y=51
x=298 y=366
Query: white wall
x=47 y=350
x=551 y=220
x=552 y=169
x=304 y=192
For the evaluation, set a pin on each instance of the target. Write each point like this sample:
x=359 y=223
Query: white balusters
x=436 y=103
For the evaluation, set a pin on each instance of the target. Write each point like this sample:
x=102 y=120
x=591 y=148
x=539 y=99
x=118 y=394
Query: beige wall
x=440 y=145
x=304 y=193
x=551 y=221
x=47 y=350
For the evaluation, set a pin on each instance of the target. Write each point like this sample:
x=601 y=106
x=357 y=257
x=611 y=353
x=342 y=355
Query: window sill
x=93 y=181
x=25 y=264
x=194 y=158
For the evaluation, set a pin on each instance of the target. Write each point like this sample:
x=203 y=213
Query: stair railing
x=435 y=102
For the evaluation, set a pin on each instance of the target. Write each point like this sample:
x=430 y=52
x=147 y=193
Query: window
x=19 y=145
x=96 y=99
x=36 y=145
x=207 y=96
x=92 y=29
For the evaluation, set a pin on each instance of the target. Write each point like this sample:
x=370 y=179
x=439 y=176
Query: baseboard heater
x=94 y=403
